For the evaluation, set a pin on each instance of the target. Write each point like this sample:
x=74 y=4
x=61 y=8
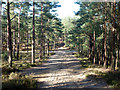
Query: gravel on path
x=63 y=70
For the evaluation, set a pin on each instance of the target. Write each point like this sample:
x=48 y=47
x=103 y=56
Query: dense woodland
x=95 y=32
x=29 y=29
x=34 y=28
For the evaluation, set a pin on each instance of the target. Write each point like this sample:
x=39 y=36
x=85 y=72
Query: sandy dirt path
x=63 y=70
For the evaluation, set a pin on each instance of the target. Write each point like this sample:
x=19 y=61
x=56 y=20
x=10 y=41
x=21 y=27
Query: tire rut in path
x=63 y=70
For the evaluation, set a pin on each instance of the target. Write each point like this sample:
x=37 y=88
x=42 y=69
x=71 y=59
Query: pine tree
x=9 y=39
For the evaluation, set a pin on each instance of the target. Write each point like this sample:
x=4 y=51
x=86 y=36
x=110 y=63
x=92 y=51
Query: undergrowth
x=12 y=79
x=112 y=78
x=17 y=81
x=84 y=61
x=52 y=53
x=18 y=67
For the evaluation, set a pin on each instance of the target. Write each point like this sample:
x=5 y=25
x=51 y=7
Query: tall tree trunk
x=94 y=48
x=118 y=39
x=102 y=51
x=48 y=47
x=109 y=44
x=14 y=43
x=92 y=53
x=40 y=51
x=9 y=39
x=79 y=50
x=65 y=41
x=1 y=40
x=18 y=33
x=99 y=55
x=41 y=35
x=119 y=50
x=54 y=45
x=33 y=35
x=105 y=50
x=90 y=47
x=27 y=40
x=113 y=64
x=44 y=44
x=105 y=40
x=118 y=47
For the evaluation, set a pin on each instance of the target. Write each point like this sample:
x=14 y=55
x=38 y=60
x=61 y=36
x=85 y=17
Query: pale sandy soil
x=63 y=70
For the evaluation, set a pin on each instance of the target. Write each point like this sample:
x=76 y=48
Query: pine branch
x=13 y=18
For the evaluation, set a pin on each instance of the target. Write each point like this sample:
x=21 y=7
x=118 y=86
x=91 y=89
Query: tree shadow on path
x=63 y=70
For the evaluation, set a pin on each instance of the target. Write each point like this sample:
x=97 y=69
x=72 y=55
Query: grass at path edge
x=112 y=78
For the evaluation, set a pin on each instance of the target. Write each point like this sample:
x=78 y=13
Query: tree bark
x=79 y=50
x=27 y=40
x=65 y=41
x=118 y=47
x=109 y=45
x=105 y=41
x=99 y=55
x=33 y=34
x=54 y=45
x=18 y=33
x=41 y=35
x=48 y=47
x=43 y=43
x=119 y=50
x=118 y=39
x=9 y=39
x=105 y=50
x=94 y=48
x=90 y=47
x=14 y=43
x=113 y=63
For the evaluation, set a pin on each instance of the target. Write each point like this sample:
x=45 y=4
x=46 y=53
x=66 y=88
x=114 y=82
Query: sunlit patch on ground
x=63 y=70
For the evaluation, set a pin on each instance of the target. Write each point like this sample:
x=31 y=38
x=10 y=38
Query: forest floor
x=63 y=70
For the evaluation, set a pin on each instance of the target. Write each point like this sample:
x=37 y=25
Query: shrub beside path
x=63 y=70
